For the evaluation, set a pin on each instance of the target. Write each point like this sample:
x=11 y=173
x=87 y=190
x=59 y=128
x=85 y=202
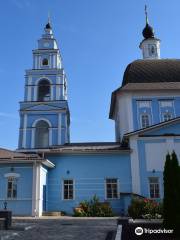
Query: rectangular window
x=112 y=188
x=12 y=187
x=154 y=187
x=145 y=120
x=68 y=186
x=167 y=116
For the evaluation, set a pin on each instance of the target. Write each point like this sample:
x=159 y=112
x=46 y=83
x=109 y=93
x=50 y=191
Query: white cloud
x=9 y=115
x=21 y=3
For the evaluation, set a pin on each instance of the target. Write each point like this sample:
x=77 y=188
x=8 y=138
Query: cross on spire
x=146 y=14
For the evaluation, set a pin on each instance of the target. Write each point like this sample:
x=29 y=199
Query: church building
x=48 y=173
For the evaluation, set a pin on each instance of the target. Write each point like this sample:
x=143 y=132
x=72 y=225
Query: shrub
x=145 y=208
x=136 y=209
x=93 y=208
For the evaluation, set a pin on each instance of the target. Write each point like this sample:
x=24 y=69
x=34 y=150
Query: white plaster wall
x=135 y=170
x=155 y=156
x=156 y=153
x=124 y=115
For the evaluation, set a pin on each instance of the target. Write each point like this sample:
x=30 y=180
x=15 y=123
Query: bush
x=93 y=208
x=145 y=208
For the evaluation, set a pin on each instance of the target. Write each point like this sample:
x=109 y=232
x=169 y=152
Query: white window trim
x=149 y=117
x=164 y=113
x=149 y=187
x=11 y=198
x=62 y=188
x=33 y=132
x=118 y=188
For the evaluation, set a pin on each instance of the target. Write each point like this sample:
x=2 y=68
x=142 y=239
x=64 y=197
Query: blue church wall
x=52 y=117
x=155 y=110
x=89 y=173
x=174 y=128
x=22 y=204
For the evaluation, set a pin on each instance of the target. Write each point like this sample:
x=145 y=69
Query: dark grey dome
x=48 y=26
x=148 y=32
x=152 y=71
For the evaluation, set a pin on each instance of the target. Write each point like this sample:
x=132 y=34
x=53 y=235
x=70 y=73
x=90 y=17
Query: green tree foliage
x=171 y=204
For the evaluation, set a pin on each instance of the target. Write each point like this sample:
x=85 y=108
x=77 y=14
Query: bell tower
x=44 y=113
x=150 y=45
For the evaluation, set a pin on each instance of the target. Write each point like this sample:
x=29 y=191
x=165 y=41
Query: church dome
x=148 y=32
x=48 y=26
x=152 y=71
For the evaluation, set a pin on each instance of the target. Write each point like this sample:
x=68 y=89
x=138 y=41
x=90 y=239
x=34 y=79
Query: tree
x=176 y=191
x=171 y=204
x=167 y=203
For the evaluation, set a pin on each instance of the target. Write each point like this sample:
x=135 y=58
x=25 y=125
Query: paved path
x=60 y=229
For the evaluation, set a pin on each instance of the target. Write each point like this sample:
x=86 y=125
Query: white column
x=57 y=92
x=59 y=128
x=36 y=190
x=54 y=61
x=66 y=129
x=24 y=131
x=50 y=136
x=29 y=93
x=52 y=92
x=33 y=138
x=39 y=62
x=36 y=61
x=35 y=93
x=50 y=60
x=135 y=171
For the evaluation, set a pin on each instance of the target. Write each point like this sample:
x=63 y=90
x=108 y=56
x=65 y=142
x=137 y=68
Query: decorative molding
x=12 y=174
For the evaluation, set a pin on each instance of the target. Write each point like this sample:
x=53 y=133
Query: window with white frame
x=145 y=120
x=154 y=187
x=111 y=188
x=68 y=189
x=12 y=187
x=167 y=116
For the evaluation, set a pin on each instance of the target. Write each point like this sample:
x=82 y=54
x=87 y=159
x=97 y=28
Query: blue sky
x=97 y=39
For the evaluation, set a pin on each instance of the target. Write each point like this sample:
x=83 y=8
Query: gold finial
x=146 y=14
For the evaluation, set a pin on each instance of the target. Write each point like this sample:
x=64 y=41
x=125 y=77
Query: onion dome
x=48 y=26
x=148 y=32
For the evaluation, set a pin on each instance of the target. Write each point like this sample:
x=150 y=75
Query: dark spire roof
x=148 y=31
x=152 y=71
x=48 y=26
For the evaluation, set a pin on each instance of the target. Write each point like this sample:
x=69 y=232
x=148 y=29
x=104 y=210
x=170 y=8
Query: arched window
x=145 y=121
x=44 y=90
x=42 y=134
x=167 y=116
x=45 y=62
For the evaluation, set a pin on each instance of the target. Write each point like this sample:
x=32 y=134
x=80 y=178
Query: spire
x=150 y=45
x=48 y=25
x=148 y=31
x=146 y=15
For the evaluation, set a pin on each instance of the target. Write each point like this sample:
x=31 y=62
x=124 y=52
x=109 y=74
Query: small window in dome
x=45 y=62
x=152 y=50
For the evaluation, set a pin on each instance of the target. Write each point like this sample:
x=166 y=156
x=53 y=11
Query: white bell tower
x=150 y=45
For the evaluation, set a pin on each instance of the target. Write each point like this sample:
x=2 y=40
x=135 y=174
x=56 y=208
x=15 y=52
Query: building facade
x=48 y=173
